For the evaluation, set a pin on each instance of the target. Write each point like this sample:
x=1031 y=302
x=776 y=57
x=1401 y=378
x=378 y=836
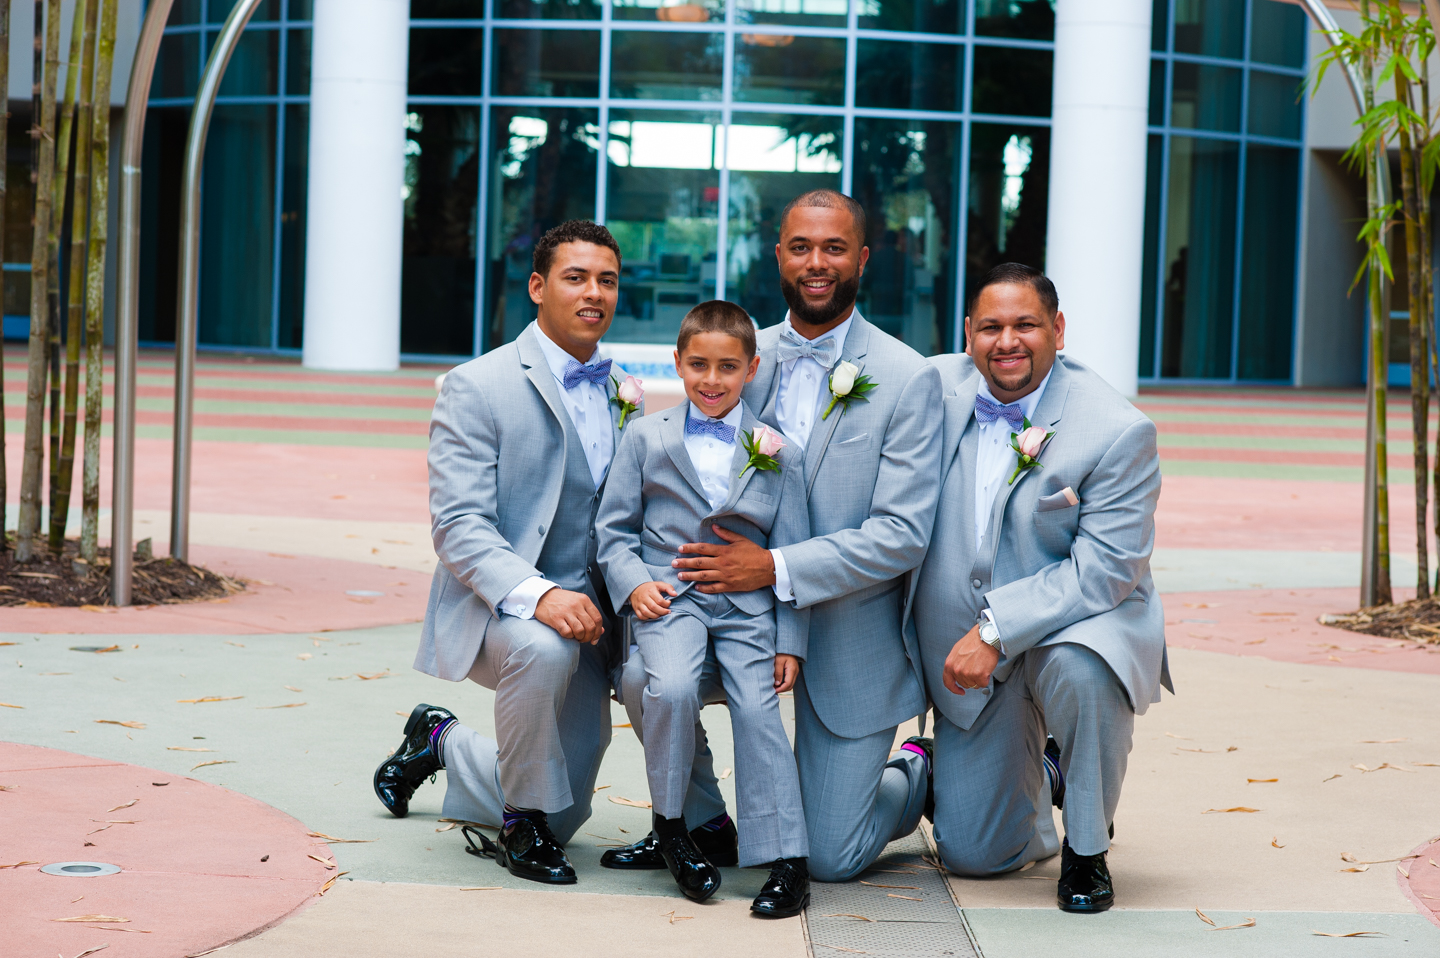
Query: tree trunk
x=4 y=148
x=95 y=283
x=1419 y=358
x=47 y=44
x=1374 y=156
x=75 y=303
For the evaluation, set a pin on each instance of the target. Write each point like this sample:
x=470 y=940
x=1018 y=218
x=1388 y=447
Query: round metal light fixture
x=80 y=869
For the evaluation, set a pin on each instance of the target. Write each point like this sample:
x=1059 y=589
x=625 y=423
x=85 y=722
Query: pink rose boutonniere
x=628 y=396
x=1026 y=444
x=763 y=444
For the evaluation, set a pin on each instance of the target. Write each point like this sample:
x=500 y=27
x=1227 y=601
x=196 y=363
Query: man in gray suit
x=1034 y=609
x=520 y=444
x=871 y=458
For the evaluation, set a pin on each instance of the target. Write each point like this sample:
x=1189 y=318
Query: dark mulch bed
x=1417 y=620
x=64 y=580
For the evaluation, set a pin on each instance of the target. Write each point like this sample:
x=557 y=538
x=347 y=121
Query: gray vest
x=568 y=558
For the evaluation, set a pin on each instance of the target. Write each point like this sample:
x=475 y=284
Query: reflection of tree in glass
x=1009 y=195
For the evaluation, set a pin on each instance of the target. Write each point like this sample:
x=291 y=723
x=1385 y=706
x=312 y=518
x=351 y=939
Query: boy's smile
x=715 y=368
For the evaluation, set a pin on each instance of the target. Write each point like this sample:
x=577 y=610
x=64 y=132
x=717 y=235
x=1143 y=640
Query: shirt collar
x=1027 y=403
x=732 y=418
x=839 y=332
x=555 y=357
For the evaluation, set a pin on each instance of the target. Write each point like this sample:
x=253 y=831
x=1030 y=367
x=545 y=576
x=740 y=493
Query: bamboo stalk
x=95 y=284
x=1375 y=156
x=4 y=174
x=47 y=44
x=1427 y=270
x=75 y=302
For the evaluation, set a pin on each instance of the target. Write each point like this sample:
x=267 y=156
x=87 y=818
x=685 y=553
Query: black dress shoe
x=697 y=878
x=528 y=849
x=721 y=846
x=787 y=892
x=927 y=745
x=1085 y=884
x=414 y=761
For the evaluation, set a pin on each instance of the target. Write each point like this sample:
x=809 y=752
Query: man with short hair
x=860 y=406
x=520 y=444
x=1034 y=609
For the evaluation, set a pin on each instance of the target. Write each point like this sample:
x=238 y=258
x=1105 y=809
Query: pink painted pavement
x=1420 y=879
x=191 y=878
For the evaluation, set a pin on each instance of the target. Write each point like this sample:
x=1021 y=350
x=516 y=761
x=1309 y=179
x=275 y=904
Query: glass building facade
x=686 y=127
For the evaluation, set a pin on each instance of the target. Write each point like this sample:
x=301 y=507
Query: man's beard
x=841 y=299
x=1022 y=379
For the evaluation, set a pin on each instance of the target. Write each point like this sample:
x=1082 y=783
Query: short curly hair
x=571 y=231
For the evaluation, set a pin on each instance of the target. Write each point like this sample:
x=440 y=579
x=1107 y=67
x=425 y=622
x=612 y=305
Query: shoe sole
x=504 y=862
x=631 y=867
x=1086 y=909
x=768 y=913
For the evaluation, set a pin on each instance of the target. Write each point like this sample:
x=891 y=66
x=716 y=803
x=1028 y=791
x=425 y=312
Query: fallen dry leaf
x=291 y=688
x=1180 y=737
x=1275 y=842
x=1254 y=781
x=1357 y=868
x=618 y=800
x=304 y=655
x=1204 y=917
x=1331 y=778
x=1353 y=934
x=601 y=787
x=1381 y=741
x=292 y=705
x=1197 y=749
x=674 y=917
x=842 y=915
x=114 y=722
x=99 y=918
x=906 y=887
x=1348 y=857
x=371 y=676
x=100 y=829
x=1237 y=808
x=186 y=748
x=1247 y=923
x=906 y=897
x=9 y=706
x=326 y=887
x=725 y=774
x=218 y=761
x=852 y=951
x=356 y=841
x=485 y=888
x=326 y=862
x=91 y=951
x=126 y=805
x=18 y=864
x=626 y=725
x=210 y=698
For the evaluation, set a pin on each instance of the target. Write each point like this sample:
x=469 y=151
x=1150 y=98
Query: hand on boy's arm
x=739 y=566
x=572 y=614
x=787 y=670
x=649 y=600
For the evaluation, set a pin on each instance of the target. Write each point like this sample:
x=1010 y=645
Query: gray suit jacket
x=489 y=513
x=870 y=476
x=1049 y=571
x=654 y=503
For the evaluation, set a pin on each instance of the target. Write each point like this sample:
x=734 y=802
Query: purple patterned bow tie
x=987 y=412
x=710 y=427
x=577 y=372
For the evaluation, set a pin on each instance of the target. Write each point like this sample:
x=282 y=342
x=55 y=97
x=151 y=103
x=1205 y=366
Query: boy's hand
x=787 y=670
x=649 y=601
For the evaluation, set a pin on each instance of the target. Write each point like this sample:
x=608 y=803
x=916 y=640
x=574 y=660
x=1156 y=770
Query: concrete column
x=354 y=212
x=1095 y=235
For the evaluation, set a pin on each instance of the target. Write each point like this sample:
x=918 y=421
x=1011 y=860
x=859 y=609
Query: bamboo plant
x=4 y=156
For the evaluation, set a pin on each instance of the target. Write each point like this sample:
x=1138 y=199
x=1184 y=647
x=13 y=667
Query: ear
x=967 y=337
x=779 y=260
x=677 y=363
x=1059 y=330
x=537 y=288
x=864 y=258
x=754 y=368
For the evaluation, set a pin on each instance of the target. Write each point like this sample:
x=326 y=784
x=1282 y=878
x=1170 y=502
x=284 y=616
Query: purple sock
x=437 y=738
x=908 y=747
x=513 y=815
x=717 y=823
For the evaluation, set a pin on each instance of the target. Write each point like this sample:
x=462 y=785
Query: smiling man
x=1034 y=610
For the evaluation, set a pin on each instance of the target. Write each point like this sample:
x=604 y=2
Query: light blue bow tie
x=825 y=351
x=987 y=411
x=710 y=427
x=577 y=372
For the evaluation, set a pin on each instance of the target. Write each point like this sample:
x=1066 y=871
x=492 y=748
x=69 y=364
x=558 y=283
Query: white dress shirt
x=994 y=459
x=713 y=459
x=588 y=405
x=801 y=397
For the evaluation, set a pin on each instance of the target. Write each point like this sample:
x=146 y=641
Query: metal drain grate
x=898 y=928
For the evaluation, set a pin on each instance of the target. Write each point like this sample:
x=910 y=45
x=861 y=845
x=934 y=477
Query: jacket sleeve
x=619 y=521
x=1110 y=554
x=893 y=538
x=464 y=494
x=792 y=526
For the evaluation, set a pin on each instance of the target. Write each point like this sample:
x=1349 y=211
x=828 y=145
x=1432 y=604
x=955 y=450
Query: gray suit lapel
x=1047 y=415
x=857 y=343
x=766 y=387
x=673 y=433
x=538 y=370
x=737 y=462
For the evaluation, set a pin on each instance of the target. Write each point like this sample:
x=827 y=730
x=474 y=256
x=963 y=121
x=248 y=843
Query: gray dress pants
x=992 y=801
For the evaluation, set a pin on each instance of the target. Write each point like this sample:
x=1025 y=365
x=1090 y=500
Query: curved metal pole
x=127 y=306
x=188 y=301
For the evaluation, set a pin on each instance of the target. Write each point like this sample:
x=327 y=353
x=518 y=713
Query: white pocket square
x=846 y=442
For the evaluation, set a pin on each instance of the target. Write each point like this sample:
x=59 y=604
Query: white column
x=1095 y=235
x=360 y=53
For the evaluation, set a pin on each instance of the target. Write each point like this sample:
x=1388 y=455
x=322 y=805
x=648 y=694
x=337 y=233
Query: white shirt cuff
x=783 y=590
x=522 y=599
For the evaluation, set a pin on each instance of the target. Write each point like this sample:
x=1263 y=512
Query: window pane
x=177 y=68
x=1205 y=97
x=300 y=9
x=671 y=11
x=292 y=227
x=542 y=173
x=1275 y=104
x=905 y=177
x=218 y=10
x=254 y=66
x=783 y=69
x=237 y=227
x=662 y=204
x=1153 y=152
x=1278 y=32
x=184 y=11
x=161 y=170
x=1156 y=116
x=447 y=62
x=1199 y=259
x=547 y=63
x=814 y=13
x=1160 y=25
x=447 y=9
x=914 y=76
x=1213 y=28
x=1267 y=280
x=437 y=278
x=297 y=67
x=1009 y=191
x=666 y=66
x=1028 y=19
x=547 y=9
x=772 y=159
x=1011 y=81
x=918 y=16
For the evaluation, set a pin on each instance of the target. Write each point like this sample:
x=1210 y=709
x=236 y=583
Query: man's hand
x=787 y=670
x=648 y=600
x=969 y=664
x=572 y=614
x=740 y=566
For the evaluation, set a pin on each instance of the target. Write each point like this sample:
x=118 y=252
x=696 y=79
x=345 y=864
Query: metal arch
x=189 y=291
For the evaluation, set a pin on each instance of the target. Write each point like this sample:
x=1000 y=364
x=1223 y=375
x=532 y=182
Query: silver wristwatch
x=989 y=634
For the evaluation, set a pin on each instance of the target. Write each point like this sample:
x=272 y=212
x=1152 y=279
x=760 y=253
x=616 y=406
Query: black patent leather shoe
x=528 y=849
x=697 y=878
x=927 y=745
x=721 y=846
x=1085 y=884
x=787 y=892
x=414 y=761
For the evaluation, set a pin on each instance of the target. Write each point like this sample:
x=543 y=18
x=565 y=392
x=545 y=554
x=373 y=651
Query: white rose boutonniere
x=847 y=385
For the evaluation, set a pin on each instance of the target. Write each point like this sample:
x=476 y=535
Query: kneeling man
x=1034 y=608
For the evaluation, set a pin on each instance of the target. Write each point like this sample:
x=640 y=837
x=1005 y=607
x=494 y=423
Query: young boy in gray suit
x=674 y=474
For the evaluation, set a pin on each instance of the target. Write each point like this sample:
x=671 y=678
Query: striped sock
x=513 y=815
x=437 y=738
x=717 y=823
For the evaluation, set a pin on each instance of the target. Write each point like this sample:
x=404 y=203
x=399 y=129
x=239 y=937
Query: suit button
x=541 y=530
x=975 y=582
x=592 y=533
